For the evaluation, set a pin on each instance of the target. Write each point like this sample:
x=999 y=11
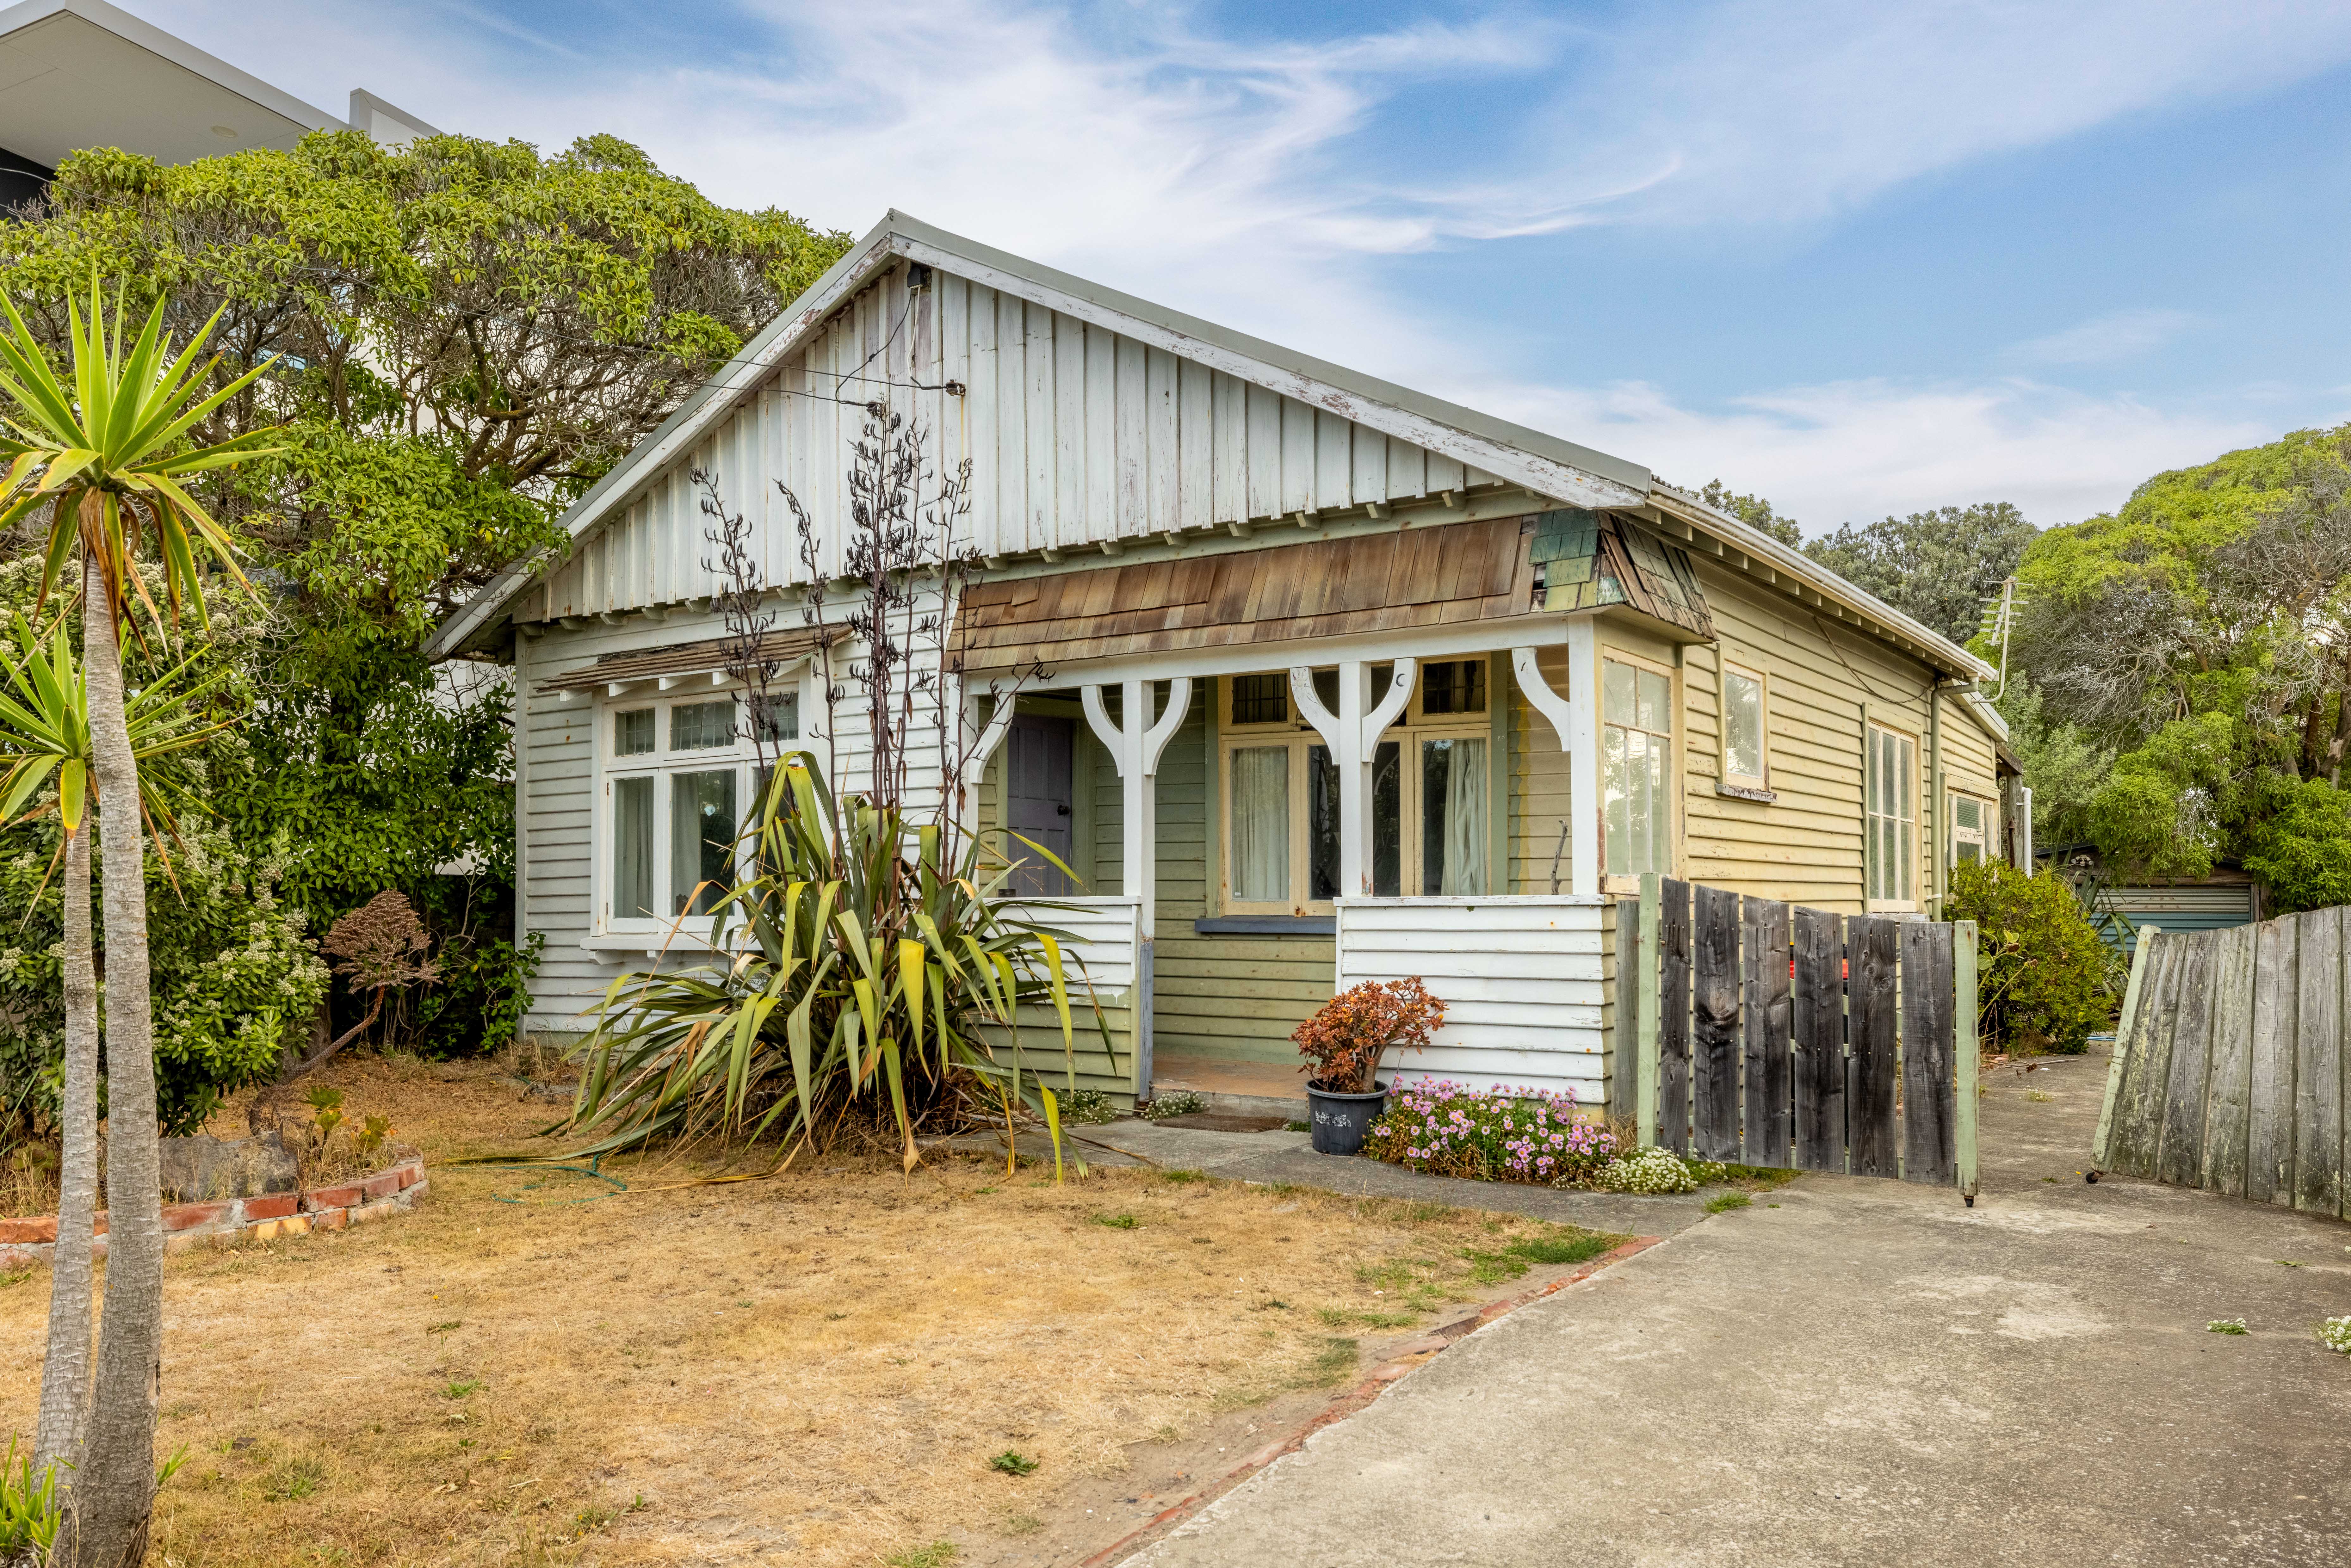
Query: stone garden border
x=223 y=1221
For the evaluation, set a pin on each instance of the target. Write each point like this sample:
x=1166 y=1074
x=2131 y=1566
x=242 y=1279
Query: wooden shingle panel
x=1451 y=575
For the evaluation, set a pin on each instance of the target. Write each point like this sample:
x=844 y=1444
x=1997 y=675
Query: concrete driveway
x=1869 y=1373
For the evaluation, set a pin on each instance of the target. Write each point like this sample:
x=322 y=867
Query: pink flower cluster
x=1494 y=1134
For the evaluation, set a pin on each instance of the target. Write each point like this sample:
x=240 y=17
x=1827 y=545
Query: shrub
x=2335 y=1334
x=1489 y=1134
x=1344 y=1041
x=1651 y=1170
x=2045 y=980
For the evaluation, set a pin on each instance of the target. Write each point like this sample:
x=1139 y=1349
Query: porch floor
x=1269 y=1088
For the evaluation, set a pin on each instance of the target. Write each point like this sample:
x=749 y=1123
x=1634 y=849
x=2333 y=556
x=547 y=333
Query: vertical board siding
x=1763 y=994
x=1520 y=978
x=2230 y=1075
x=1076 y=433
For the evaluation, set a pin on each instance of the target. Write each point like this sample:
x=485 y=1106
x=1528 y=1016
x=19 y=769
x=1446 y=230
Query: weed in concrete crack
x=2227 y=1325
x=1723 y=1202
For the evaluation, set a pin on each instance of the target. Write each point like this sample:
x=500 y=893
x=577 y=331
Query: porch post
x=1135 y=744
x=1574 y=719
x=1353 y=737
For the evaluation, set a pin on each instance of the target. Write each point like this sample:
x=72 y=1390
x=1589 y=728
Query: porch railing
x=1519 y=976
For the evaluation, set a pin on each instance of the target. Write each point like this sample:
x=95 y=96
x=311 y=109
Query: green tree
x=1938 y=568
x=107 y=458
x=461 y=337
x=1754 y=511
x=2202 y=633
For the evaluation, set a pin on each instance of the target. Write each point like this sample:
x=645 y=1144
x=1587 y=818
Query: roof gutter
x=1816 y=584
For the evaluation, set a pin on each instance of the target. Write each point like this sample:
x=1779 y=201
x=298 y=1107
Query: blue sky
x=1860 y=258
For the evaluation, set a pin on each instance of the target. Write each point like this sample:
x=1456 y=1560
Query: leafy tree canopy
x=462 y=337
x=2202 y=634
x=1938 y=568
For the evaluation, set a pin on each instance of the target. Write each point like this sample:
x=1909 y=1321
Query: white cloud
x=1854 y=450
x=1770 y=112
x=2116 y=335
x=1228 y=178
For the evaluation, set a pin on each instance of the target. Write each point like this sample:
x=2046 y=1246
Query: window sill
x=1724 y=786
x=652 y=943
x=1266 y=926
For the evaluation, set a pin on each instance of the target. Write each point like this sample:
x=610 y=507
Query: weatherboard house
x=1307 y=678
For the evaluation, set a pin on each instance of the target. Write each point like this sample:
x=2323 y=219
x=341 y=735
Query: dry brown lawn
x=816 y=1368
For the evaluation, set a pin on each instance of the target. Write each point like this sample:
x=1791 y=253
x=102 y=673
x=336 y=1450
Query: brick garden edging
x=378 y=1196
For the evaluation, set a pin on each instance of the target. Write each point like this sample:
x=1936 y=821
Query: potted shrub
x=1342 y=1044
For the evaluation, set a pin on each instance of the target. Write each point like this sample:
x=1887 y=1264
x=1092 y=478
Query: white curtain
x=1261 y=801
x=1465 y=819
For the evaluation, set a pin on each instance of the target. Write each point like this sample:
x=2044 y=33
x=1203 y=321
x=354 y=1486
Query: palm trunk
x=65 y=1373
x=117 y=1490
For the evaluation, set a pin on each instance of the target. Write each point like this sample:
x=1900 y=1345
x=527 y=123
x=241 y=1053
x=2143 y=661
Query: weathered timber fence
x=1773 y=1034
x=2229 y=1071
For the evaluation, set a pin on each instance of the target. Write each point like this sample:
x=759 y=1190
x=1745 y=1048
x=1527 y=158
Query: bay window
x=1279 y=793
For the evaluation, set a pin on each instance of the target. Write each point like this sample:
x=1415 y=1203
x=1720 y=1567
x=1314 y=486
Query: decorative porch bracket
x=990 y=738
x=1572 y=718
x=1135 y=747
x=1353 y=735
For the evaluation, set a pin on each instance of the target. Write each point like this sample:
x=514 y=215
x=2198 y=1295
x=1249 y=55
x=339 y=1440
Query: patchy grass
x=1012 y=1462
x=620 y=1406
x=1724 y=1202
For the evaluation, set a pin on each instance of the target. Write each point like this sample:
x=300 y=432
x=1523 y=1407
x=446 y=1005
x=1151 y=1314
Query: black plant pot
x=1339 y=1121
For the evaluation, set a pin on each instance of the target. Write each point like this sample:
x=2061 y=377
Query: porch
x=1312 y=763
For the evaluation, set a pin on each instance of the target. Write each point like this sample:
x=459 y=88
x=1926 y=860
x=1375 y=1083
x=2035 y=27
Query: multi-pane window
x=1637 y=748
x=1742 y=729
x=1429 y=801
x=1971 y=829
x=680 y=778
x=1892 y=816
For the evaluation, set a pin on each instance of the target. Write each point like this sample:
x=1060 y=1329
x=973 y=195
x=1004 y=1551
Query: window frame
x=664 y=763
x=1758 y=782
x=1986 y=831
x=1677 y=716
x=1907 y=900
x=1411 y=729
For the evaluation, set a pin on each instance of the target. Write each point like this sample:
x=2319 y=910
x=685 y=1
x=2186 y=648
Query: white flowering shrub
x=2335 y=1334
x=1649 y=1170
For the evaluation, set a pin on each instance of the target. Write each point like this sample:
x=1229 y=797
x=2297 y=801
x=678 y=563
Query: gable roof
x=1550 y=466
x=1545 y=465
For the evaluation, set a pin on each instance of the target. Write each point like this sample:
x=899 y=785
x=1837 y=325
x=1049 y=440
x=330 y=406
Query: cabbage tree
x=45 y=745
x=107 y=454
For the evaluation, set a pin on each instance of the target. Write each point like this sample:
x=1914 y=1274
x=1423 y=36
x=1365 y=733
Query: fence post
x=2122 y=1045
x=1964 y=1047
x=1645 y=1027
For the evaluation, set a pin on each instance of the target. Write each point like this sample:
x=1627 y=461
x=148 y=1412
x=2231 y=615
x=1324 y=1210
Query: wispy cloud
x=2116 y=335
x=1853 y=451
x=1265 y=183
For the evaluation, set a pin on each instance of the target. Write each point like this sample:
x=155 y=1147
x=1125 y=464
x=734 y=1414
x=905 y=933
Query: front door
x=1037 y=754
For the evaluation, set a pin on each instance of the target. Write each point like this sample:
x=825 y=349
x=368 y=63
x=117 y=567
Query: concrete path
x=1868 y=1373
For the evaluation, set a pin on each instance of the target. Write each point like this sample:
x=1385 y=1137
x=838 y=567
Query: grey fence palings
x=2230 y=1072
x=1818 y=1028
x=1715 y=1046
x=2318 y=1065
x=1870 y=1101
x=1787 y=1036
x=1673 y=1015
x=1771 y=1107
x=1623 y=1086
x=1927 y=1146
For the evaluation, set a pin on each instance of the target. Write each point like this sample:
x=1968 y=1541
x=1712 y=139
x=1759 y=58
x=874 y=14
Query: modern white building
x=81 y=73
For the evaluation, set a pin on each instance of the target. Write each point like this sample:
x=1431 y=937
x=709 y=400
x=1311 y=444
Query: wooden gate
x=1772 y=1034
